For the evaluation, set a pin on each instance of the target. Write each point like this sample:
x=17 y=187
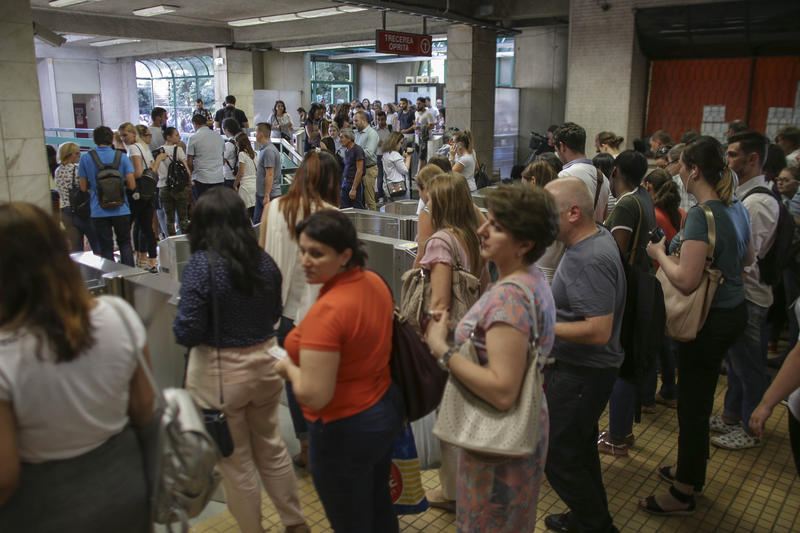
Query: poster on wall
x=79 y=111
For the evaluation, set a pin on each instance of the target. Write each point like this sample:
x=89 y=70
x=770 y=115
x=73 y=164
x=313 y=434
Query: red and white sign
x=403 y=44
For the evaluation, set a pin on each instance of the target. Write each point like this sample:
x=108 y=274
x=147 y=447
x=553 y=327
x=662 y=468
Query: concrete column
x=470 y=86
x=23 y=160
x=607 y=72
x=234 y=76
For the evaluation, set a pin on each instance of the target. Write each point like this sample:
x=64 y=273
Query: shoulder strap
x=712 y=233
x=212 y=258
x=532 y=308
x=118 y=158
x=175 y=153
x=759 y=190
x=74 y=174
x=638 y=230
x=598 y=187
x=96 y=159
x=454 y=255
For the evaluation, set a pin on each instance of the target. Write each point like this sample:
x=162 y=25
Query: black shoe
x=561 y=522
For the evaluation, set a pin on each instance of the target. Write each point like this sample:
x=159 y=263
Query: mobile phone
x=656 y=235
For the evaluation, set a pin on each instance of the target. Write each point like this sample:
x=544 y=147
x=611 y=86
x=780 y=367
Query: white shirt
x=229 y=160
x=157 y=139
x=67 y=409
x=763 y=210
x=394 y=167
x=587 y=173
x=468 y=161
x=247 y=185
x=140 y=150
x=163 y=168
x=383 y=134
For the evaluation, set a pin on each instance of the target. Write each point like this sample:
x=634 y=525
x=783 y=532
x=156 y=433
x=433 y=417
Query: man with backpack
x=745 y=361
x=104 y=172
x=230 y=111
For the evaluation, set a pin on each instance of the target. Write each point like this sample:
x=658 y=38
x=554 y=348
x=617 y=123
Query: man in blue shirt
x=367 y=139
x=117 y=219
x=352 y=194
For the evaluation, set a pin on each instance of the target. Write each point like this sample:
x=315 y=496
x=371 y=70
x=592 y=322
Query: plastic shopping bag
x=405 y=481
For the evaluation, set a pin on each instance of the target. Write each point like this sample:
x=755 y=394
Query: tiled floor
x=756 y=490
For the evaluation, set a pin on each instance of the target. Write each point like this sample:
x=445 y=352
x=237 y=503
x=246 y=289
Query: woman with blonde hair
x=66 y=178
x=424 y=224
x=704 y=174
x=245 y=182
x=144 y=239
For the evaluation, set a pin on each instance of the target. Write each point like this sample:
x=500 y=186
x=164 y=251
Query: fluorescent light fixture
x=74 y=37
x=331 y=46
x=155 y=10
x=316 y=13
x=409 y=59
x=360 y=55
x=65 y=3
x=245 y=22
x=351 y=9
x=280 y=18
x=113 y=42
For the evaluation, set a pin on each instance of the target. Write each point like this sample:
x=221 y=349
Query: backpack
x=235 y=167
x=771 y=266
x=177 y=176
x=79 y=201
x=109 y=183
x=179 y=454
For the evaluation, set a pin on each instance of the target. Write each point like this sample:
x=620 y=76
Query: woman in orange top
x=338 y=365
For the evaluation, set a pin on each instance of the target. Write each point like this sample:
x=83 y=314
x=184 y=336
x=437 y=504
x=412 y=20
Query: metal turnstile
x=384 y=224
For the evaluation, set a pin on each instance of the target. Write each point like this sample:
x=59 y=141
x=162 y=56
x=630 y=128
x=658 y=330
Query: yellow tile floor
x=755 y=490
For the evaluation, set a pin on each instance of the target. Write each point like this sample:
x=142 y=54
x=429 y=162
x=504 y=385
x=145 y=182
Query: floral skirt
x=500 y=497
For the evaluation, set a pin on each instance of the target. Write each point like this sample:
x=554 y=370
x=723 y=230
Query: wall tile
x=25 y=157
x=22 y=120
x=16 y=75
x=34 y=189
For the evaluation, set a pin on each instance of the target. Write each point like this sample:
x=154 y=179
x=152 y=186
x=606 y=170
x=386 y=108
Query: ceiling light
x=315 y=13
x=280 y=18
x=65 y=3
x=351 y=9
x=360 y=55
x=113 y=42
x=155 y=10
x=245 y=22
x=408 y=59
x=331 y=46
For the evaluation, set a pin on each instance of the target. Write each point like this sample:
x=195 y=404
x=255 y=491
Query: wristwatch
x=443 y=360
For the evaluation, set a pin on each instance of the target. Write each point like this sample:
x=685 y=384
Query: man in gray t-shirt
x=589 y=292
x=268 y=170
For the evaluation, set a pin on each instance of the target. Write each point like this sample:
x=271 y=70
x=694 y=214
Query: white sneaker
x=738 y=439
x=717 y=425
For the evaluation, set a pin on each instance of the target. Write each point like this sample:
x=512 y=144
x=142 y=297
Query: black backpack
x=235 y=167
x=79 y=201
x=771 y=266
x=177 y=176
x=110 y=185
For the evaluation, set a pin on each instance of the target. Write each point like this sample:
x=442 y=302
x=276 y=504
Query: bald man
x=589 y=293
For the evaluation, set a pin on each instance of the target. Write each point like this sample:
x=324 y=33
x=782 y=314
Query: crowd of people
x=550 y=260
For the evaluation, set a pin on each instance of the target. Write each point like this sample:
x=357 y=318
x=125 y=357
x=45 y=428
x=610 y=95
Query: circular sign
x=395 y=483
x=425 y=45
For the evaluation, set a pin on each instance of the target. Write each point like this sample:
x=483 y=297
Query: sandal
x=437 y=500
x=666 y=474
x=610 y=446
x=650 y=505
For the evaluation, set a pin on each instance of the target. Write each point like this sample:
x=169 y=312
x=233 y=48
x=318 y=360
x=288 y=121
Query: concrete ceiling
x=203 y=23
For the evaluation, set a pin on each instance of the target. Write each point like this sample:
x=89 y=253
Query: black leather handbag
x=215 y=421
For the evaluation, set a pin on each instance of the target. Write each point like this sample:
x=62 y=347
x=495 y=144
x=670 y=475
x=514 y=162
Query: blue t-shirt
x=87 y=169
x=730 y=248
x=351 y=157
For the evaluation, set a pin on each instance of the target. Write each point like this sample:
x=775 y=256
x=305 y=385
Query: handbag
x=415 y=297
x=79 y=201
x=214 y=419
x=482 y=178
x=467 y=421
x=686 y=314
x=396 y=188
x=179 y=455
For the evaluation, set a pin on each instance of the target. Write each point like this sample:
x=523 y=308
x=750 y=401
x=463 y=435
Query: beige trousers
x=252 y=391
x=370 y=179
x=448 y=470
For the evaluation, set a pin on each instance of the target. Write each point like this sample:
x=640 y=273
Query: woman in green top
x=704 y=174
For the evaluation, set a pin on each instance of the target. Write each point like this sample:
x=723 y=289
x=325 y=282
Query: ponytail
x=725 y=186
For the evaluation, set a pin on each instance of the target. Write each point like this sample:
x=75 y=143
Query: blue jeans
x=77 y=228
x=259 y=208
x=351 y=460
x=620 y=409
x=298 y=420
x=745 y=360
x=666 y=364
x=357 y=202
x=121 y=227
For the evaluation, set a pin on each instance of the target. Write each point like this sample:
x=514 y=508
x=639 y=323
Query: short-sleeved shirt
x=163 y=168
x=468 y=160
x=584 y=170
x=87 y=169
x=383 y=134
x=437 y=250
x=626 y=217
x=352 y=316
x=206 y=148
x=268 y=157
x=405 y=120
x=508 y=304
x=205 y=113
x=64 y=178
x=238 y=114
x=730 y=249
x=157 y=139
x=351 y=157
x=230 y=158
x=590 y=282
x=66 y=409
x=368 y=141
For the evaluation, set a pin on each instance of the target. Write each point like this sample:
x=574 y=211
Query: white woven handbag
x=469 y=422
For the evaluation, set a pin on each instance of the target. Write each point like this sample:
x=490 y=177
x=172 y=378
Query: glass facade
x=175 y=83
x=331 y=82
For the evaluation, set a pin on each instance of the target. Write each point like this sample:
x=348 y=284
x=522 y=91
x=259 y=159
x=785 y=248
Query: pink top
x=437 y=250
